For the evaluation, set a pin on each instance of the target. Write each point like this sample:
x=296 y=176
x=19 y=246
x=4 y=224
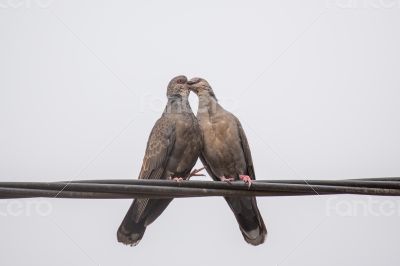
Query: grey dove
x=172 y=150
x=226 y=156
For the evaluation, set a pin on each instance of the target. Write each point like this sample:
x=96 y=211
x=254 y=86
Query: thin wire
x=117 y=189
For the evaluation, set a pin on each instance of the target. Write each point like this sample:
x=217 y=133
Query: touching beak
x=193 y=81
x=191 y=84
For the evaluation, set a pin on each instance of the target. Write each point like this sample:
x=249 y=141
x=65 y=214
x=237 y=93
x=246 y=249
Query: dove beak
x=193 y=81
x=191 y=84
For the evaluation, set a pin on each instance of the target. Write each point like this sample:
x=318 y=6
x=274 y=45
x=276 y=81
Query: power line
x=141 y=188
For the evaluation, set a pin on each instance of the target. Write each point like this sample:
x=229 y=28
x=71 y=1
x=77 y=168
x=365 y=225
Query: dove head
x=201 y=87
x=177 y=87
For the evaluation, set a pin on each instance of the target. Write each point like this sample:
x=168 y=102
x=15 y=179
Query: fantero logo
x=25 y=3
x=365 y=206
x=363 y=4
x=31 y=207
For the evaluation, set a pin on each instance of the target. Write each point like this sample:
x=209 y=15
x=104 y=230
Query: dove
x=173 y=148
x=226 y=156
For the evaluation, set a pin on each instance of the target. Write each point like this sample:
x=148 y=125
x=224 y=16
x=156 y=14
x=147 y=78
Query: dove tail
x=248 y=216
x=141 y=213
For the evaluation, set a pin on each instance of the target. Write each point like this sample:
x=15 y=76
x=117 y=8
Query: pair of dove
x=177 y=140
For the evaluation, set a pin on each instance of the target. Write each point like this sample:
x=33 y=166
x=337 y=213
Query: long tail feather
x=249 y=218
x=141 y=213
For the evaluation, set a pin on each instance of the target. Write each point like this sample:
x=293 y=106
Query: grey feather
x=226 y=153
x=172 y=150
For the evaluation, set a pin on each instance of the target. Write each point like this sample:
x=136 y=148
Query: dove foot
x=195 y=172
x=227 y=179
x=178 y=179
x=246 y=179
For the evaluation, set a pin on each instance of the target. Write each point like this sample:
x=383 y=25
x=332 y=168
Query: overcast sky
x=316 y=85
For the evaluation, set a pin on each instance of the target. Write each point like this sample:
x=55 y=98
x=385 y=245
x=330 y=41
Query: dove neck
x=208 y=105
x=177 y=104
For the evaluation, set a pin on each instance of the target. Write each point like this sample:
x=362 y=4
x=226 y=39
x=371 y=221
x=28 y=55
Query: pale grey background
x=315 y=83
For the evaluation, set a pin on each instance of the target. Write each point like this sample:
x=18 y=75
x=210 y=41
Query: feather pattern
x=172 y=150
x=226 y=154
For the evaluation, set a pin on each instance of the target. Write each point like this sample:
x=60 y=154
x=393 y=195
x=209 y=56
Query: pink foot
x=195 y=172
x=227 y=179
x=246 y=179
x=178 y=179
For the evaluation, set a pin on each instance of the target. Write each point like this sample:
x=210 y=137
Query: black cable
x=108 y=189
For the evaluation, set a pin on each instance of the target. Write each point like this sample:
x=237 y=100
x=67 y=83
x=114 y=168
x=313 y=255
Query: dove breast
x=220 y=135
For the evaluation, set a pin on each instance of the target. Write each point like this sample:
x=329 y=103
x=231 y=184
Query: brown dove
x=172 y=150
x=226 y=156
